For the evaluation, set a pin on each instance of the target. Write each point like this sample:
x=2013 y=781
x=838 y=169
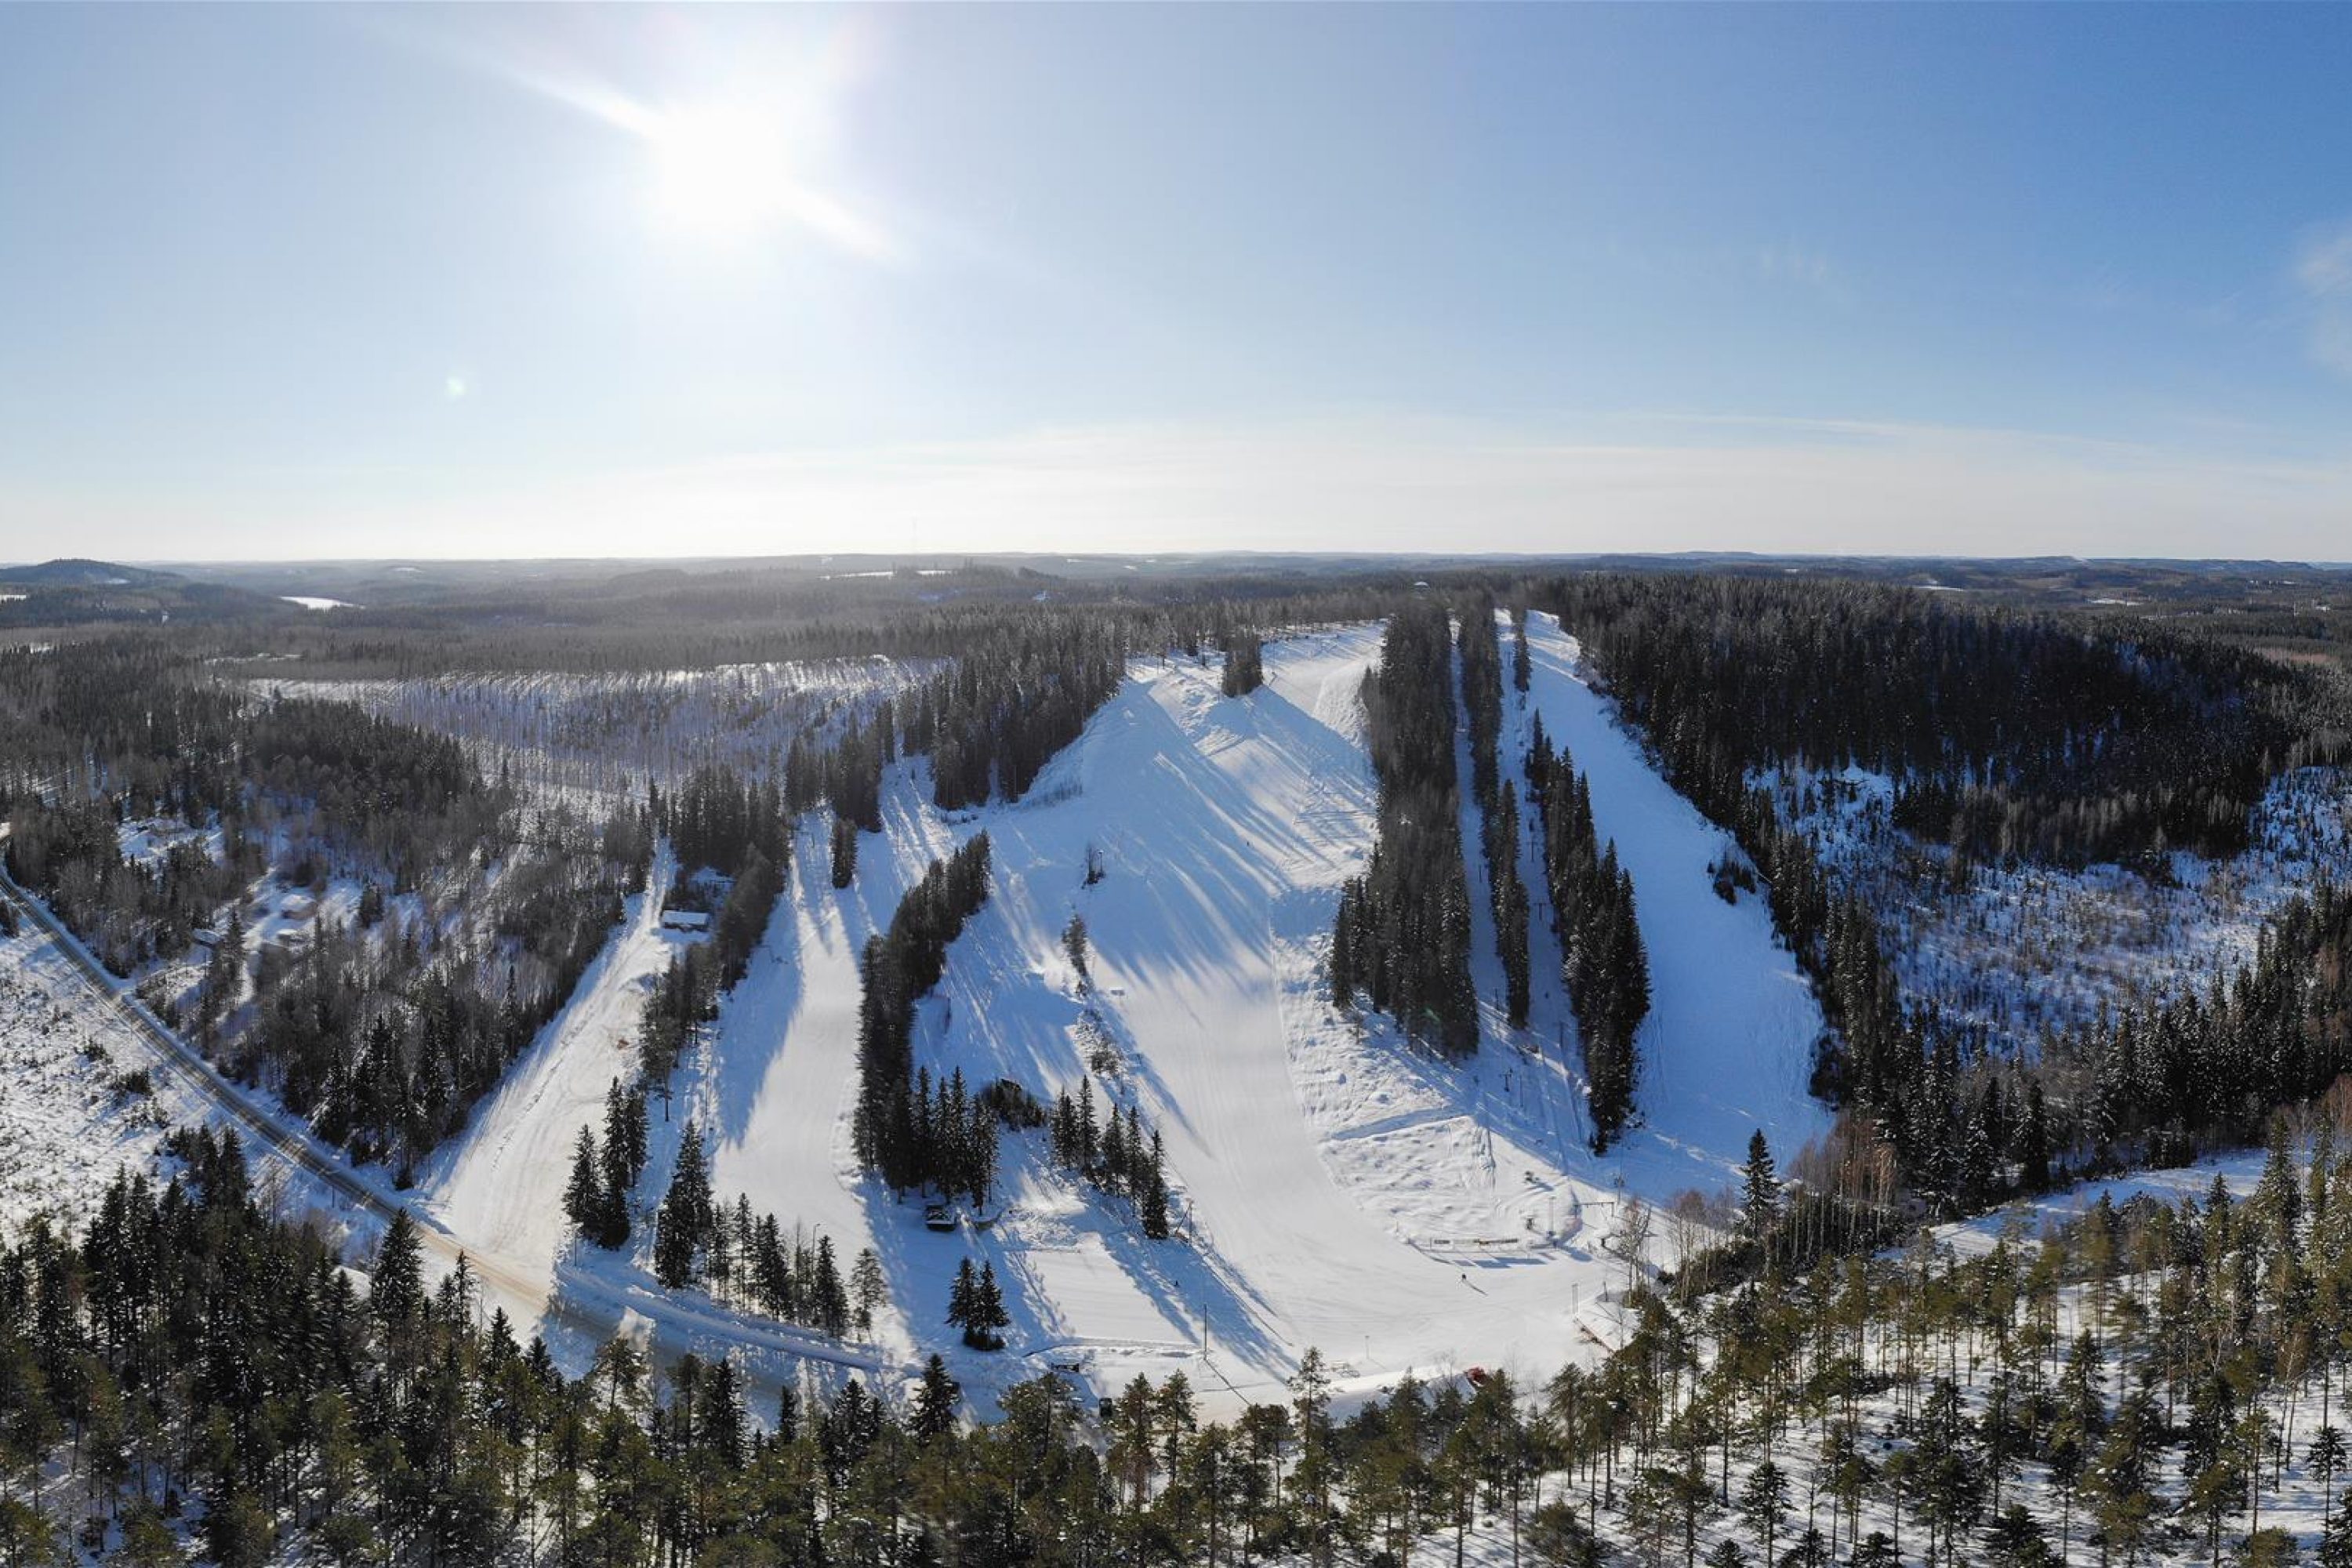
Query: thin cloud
x=2323 y=269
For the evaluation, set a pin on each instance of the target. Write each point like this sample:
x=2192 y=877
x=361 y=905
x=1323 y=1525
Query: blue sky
x=280 y=281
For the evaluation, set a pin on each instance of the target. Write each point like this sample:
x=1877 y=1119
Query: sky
x=341 y=282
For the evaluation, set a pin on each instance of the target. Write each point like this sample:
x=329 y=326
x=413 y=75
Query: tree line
x=1401 y=937
x=1498 y=798
x=1608 y=969
x=900 y=966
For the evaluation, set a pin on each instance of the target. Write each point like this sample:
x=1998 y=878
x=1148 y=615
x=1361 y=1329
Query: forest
x=2152 y=1378
x=1401 y=937
x=2156 y=1379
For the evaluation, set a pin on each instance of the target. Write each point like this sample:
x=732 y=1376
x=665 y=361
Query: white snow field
x=1336 y=1186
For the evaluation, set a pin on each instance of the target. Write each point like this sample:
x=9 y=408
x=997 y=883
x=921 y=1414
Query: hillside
x=1335 y=1185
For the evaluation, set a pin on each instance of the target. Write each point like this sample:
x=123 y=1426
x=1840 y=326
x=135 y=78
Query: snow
x=146 y=841
x=2238 y=1169
x=1335 y=1186
x=65 y=1128
x=67 y=1123
x=590 y=737
x=500 y=1183
x=311 y=602
x=2024 y=948
x=1728 y=1046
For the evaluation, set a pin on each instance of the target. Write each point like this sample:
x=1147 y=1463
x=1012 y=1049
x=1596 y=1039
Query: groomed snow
x=1728 y=1046
x=1339 y=1188
x=1335 y=1185
x=500 y=1183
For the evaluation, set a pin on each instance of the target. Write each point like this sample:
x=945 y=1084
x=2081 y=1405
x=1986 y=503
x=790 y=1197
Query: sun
x=722 y=169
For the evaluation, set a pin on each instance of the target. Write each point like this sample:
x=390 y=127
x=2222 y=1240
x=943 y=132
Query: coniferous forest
x=2152 y=1379
x=1402 y=935
x=1808 y=1383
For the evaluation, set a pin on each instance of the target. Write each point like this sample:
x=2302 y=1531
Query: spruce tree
x=989 y=1317
x=682 y=1225
x=935 y=1401
x=964 y=1298
x=845 y=851
x=1759 y=1192
x=583 y=1194
x=396 y=1291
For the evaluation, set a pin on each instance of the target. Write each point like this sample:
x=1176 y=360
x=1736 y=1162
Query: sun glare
x=721 y=170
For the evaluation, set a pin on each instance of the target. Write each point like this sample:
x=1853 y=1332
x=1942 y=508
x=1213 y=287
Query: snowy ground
x=1334 y=1185
x=66 y=1125
x=89 y=1093
x=1727 y=1048
x=2026 y=948
x=2029 y=1218
x=580 y=736
x=1337 y=1187
x=500 y=1183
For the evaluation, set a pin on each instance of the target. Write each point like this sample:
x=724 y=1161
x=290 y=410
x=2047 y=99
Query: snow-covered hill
x=1335 y=1186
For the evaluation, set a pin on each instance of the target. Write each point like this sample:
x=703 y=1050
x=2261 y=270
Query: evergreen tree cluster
x=684 y=998
x=1020 y=693
x=127 y=914
x=755 y=1263
x=596 y=1198
x=2009 y=734
x=1402 y=935
x=2152 y=1379
x=386 y=1038
x=1244 y=664
x=845 y=851
x=1115 y=1153
x=898 y=1127
x=2149 y=1084
x=976 y=1305
x=739 y=830
x=719 y=820
x=955 y=1133
x=1608 y=969
x=844 y=770
x=1498 y=801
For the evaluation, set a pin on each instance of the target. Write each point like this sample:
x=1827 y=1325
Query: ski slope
x=1333 y=1184
x=1728 y=1046
x=1339 y=1188
x=500 y=1183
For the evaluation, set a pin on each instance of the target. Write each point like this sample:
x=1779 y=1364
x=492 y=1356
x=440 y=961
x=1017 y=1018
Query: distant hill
x=80 y=573
x=76 y=592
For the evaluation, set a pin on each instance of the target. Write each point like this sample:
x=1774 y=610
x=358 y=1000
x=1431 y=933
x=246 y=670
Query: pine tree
x=868 y=1289
x=396 y=1292
x=682 y=1226
x=935 y=1401
x=583 y=1194
x=845 y=851
x=832 y=1299
x=2033 y=1142
x=1759 y=1192
x=989 y=1317
x=964 y=1300
x=1155 y=1205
